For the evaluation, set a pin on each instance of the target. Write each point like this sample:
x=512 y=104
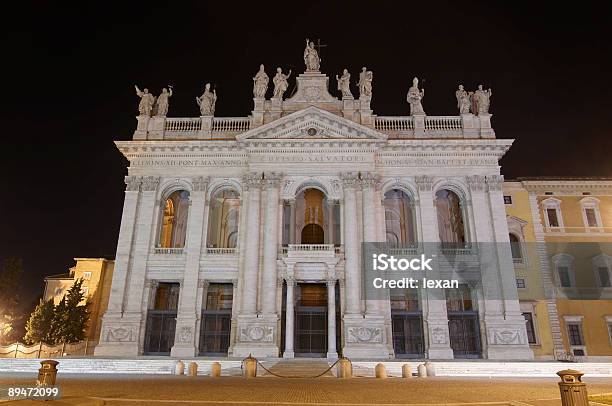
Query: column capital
x=370 y=180
x=200 y=184
x=290 y=280
x=132 y=183
x=150 y=183
x=151 y=284
x=495 y=182
x=476 y=183
x=252 y=180
x=331 y=282
x=349 y=180
x=203 y=283
x=424 y=182
x=272 y=179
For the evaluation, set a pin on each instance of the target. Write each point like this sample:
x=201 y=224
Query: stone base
x=183 y=351
x=288 y=354
x=116 y=350
x=256 y=335
x=119 y=335
x=442 y=353
x=365 y=337
x=332 y=355
x=507 y=338
x=509 y=352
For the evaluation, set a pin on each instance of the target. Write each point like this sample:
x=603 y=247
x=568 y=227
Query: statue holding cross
x=311 y=57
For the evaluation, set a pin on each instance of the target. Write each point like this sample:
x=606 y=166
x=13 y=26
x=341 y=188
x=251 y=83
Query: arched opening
x=451 y=225
x=313 y=234
x=399 y=218
x=174 y=220
x=223 y=219
x=515 y=247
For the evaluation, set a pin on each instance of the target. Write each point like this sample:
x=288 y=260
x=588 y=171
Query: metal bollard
x=406 y=371
x=345 y=368
x=422 y=371
x=381 y=371
x=179 y=368
x=192 y=369
x=249 y=367
x=573 y=390
x=215 y=370
x=47 y=373
x=430 y=369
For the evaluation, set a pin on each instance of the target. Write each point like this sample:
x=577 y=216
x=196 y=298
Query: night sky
x=69 y=75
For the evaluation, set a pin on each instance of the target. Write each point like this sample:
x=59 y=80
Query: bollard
x=422 y=371
x=215 y=370
x=573 y=390
x=430 y=369
x=249 y=367
x=381 y=371
x=179 y=368
x=406 y=371
x=47 y=373
x=192 y=369
x=345 y=368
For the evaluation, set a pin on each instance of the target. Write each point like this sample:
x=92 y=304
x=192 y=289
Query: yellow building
x=562 y=234
x=97 y=274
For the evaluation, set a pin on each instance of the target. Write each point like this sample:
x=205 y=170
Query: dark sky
x=69 y=74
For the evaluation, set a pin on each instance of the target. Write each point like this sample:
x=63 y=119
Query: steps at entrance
x=295 y=368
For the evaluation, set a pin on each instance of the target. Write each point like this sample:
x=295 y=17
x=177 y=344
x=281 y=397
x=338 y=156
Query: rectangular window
x=531 y=336
x=507 y=199
x=604 y=277
x=564 y=278
x=591 y=218
x=553 y=221
x=86 y=276
x=166 y=296
x=574 y=334
x=219 y=296
x=520 y=283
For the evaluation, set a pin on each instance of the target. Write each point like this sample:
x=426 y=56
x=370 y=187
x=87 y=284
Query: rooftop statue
x=260 y=83
x=365 y=82
x=147 y=100
x=414 y=98
x=463 y=100
x=344 y=84
x=163 y=101
x=482 y=100
x=311 y=57
x=280 y=83
x=207 y=101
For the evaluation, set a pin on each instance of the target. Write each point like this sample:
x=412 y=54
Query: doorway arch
x=313 y=234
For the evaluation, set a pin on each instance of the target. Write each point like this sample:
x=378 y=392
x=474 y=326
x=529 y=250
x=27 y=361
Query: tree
x=38 y=327
x=9 y=298
x=70 y=318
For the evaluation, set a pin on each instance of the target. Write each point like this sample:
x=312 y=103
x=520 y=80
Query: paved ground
x=183 y=390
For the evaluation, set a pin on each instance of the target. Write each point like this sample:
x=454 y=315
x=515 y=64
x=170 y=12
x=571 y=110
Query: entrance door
x=407 y=335
x=464 y=335
x=311 y=321
x=216 y=322
x=313 y=234
x=161 y=320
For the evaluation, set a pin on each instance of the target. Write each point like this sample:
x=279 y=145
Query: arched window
x=399 y=218
x=223 y=219
x=515 y=247
x=174 y=220
x=451 y=225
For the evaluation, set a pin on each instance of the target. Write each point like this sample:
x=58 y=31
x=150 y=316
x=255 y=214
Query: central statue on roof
x=311 y=57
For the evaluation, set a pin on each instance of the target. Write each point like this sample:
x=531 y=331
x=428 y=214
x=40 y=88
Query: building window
x=564 y=270
x=602 y=268
x=575 y=337
x=574 y=334
x=451 y=224
x=530 y=326
x=507 y=199
x=86 y=276
x=564 y=277
x=399 y=218
x=515 y=247
x=552 y=211
x=520 y=283
x=223 y=219
x=174 y=220
x=85 y=291
x=604 y=276
x=553 y=220
x=591 y=215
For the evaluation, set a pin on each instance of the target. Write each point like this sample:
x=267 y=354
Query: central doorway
x=311 y=320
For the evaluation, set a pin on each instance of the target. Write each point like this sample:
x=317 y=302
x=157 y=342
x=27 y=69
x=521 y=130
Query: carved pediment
x=312 y=123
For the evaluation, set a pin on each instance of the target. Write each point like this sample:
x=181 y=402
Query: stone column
x=331 y=319
x=434 y=312
x=187 y=315
x=351 y=246
x=251 y=262
x=270 y=248
x=289 y=318
x=369 y=216
x=292 y=222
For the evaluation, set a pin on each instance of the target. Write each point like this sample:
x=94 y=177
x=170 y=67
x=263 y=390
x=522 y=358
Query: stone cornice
x=495 y=147
x=570 y=187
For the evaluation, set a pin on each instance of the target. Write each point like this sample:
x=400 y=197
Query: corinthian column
x=331 y=319
x=289 y=318
x=270 y=249
x=369 y=183
x=351 y=245
x=251 y=255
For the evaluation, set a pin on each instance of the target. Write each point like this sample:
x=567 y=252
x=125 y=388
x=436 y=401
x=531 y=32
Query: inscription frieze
x=215 y=162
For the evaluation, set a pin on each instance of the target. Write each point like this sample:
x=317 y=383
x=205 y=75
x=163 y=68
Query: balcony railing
x=182 y=125
x=443 y=123
x=221 y=251
x=230 y=124
x=168 y=251
x=390 y=123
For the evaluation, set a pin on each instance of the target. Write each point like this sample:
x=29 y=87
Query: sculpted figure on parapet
x=463 y=100
x=163 y=102
x=311 y=57
x=482 y=100
x=260 y=85
x=147 y=100
x=280 y=83
x=365 y=82
x=415 y=95
x=207 y=101
x=344 y=84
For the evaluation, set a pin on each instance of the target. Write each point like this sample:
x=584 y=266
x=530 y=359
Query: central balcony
x=311 y=250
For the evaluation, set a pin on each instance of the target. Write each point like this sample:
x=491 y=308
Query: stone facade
x=310 y=141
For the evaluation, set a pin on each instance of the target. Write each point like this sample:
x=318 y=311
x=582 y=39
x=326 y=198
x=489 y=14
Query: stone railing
x=182 y=125
x=311 y=250
x=168 y=251
x=230 y=124
x=443 y=123
x=464 y=126
x=389 y=123
x=221 y=251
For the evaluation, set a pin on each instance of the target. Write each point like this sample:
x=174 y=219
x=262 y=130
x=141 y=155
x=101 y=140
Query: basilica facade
x=244 y=235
